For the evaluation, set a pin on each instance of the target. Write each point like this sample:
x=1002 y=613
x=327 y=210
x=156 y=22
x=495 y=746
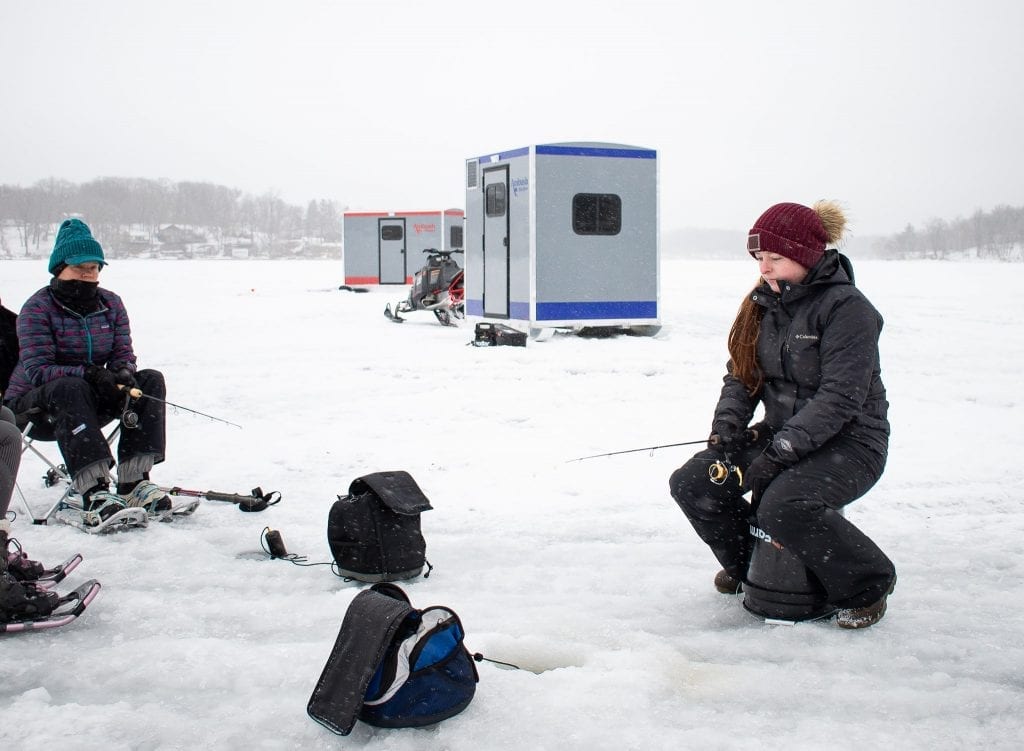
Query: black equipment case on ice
x=374 y=531
x=496 y=335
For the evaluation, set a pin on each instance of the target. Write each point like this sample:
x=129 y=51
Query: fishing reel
x=129 y=417
x=719 y=472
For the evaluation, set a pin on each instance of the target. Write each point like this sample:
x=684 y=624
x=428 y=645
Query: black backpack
x=374 y=531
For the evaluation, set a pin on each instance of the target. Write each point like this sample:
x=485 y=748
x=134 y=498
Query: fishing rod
x=646 y=448
x=750 y=435
x=136 y=393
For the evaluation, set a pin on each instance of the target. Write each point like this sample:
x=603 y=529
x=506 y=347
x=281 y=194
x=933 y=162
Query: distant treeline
x=128 y=215
x=996 y=234
x=135 y=216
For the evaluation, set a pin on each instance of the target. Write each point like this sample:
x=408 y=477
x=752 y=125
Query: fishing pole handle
x=750 y=435
x=134 y=392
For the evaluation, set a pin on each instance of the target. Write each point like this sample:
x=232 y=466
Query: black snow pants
x=77 y=417
x=800 y=509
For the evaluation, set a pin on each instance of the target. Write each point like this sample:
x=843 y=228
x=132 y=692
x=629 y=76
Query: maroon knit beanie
x=790 y=230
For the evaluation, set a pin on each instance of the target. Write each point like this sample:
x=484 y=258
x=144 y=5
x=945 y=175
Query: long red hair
x=743 y=345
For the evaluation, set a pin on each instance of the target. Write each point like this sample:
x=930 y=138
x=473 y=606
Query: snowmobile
x=437 y=287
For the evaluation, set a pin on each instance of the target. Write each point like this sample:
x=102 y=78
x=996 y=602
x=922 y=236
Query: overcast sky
x=903 y=111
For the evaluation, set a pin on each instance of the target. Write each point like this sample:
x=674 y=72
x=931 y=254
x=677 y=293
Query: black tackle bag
x=394 y=666
x=374 y=531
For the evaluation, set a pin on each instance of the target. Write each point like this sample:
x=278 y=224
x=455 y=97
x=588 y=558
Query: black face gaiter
x=75 y=294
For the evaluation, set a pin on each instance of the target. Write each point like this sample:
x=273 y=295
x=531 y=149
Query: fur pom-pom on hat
x=798 y=232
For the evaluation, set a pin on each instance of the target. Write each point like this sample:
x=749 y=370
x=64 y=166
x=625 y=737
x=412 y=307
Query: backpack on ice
x=393 y=665
x=374 y=531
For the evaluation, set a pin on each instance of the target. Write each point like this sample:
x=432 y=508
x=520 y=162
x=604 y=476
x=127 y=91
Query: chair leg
x=55 y=474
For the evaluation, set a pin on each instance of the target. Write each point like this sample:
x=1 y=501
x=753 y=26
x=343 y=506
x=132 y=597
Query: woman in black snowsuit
x=805 y=345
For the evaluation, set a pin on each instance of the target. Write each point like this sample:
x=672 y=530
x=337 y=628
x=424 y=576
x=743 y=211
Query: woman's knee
x=70 y=388
x=152 y=383
x=689 y=479
x=777 y=511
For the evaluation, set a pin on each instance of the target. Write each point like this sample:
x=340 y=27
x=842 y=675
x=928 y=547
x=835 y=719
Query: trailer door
x=391 y=248
x=496 y=250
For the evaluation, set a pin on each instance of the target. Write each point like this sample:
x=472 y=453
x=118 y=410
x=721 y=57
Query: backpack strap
x=396 y=490
x=370 y=624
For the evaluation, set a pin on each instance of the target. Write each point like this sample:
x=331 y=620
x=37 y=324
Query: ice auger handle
x=255 y=501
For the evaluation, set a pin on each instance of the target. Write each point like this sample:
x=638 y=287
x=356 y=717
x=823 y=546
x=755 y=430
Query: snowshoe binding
x=101 y=512
x=26 y=607
x=24 y=569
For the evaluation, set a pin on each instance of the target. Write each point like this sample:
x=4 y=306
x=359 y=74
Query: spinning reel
x=719 y=472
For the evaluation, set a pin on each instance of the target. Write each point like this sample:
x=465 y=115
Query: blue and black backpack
x=393 y=665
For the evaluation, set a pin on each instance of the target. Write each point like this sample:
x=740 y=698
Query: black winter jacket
x=818 y=351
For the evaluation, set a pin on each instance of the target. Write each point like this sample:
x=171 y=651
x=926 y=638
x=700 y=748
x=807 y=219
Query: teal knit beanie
x=74 y=245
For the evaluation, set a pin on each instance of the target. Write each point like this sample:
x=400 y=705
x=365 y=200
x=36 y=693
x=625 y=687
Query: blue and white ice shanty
x=387 y=247
x=564 y=235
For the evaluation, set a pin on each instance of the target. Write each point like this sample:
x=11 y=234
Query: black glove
x=760 y=474
x=724 y=438
x=103 y=383
x=125 y=377
x=727 y=439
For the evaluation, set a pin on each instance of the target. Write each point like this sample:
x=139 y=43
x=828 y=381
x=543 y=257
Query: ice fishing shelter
x=564 y=235
x=382 y=247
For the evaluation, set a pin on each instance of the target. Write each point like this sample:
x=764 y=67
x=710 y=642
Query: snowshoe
x=121 y=521
x=151 y=497
x=21 y=600
x=62 y=609
x=56 y=574
x=22 y=568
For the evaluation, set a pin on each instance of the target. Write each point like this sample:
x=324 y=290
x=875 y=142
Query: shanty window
x=455 y=241
x=494 y=200
x=391 y=232
x=596 y=214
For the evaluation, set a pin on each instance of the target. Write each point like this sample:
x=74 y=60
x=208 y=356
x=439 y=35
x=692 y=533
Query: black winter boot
x=728 y=584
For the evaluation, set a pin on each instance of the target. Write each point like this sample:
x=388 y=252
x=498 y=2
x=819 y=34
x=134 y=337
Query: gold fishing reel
x=719 y=472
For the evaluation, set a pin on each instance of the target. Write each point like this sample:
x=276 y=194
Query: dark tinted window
x=596 y=214
x=456 y=237
x=495 y=200
x=391 y=232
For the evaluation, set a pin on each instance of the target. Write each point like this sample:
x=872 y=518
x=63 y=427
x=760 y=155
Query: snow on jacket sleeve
x=849 y=360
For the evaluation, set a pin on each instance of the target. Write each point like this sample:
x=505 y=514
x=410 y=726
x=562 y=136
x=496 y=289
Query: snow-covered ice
x=586 y=574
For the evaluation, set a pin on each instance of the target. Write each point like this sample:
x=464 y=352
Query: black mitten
x=124 y=376
x=103 y=382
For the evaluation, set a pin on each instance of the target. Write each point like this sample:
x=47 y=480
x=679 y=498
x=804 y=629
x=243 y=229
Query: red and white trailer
x=386 y=247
